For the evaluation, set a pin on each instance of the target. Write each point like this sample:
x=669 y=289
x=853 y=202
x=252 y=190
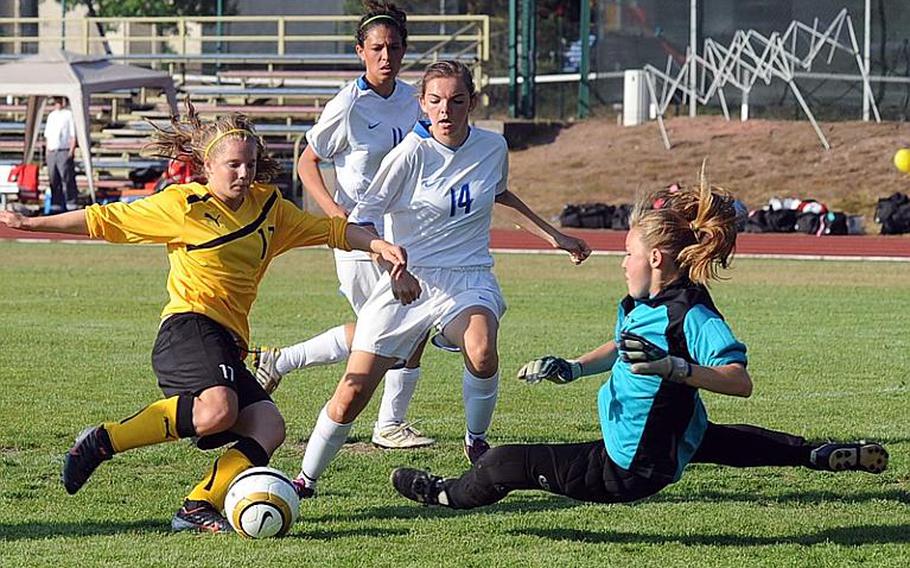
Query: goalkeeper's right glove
x=553 y=369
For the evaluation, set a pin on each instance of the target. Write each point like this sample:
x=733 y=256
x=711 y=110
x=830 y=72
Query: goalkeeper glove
x=553 y=369
x=647 y=358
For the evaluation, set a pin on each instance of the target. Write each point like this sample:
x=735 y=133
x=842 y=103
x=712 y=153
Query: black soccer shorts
x=194 y=352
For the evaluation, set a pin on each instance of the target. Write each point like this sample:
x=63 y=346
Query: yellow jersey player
x=220 y=238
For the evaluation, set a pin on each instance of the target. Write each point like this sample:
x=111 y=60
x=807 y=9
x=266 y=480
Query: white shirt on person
x=436 y=201
x=356 y=129
x=59 y=130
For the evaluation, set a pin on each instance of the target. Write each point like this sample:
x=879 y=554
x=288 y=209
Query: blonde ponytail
x=697 y=227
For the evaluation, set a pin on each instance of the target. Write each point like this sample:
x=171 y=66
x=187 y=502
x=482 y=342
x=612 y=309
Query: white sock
x=328 y=347
x=327 y=438
x=479 y=397
x=396 y=396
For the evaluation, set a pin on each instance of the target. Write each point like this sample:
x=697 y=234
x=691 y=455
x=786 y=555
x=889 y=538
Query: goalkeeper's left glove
x=647 y=358
x=553 y=369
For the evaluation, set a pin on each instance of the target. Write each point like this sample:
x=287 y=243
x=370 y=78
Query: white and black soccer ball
x=261 y=502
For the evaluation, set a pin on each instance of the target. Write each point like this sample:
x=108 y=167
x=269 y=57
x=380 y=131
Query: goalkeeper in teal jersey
x=670 y=342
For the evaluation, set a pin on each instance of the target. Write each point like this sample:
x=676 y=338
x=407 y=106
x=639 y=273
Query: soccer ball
x=261 y=503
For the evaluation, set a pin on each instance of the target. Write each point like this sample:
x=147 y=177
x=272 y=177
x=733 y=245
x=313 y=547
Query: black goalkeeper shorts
x=194 y=352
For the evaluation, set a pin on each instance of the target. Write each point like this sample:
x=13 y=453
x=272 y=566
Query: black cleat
x=476 y=450
x=199 y=516
x=92 y=447
x=857 y=456
x=417 y=485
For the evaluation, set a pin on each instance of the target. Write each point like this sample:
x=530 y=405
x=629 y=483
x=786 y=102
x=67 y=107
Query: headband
x=215 y=140
x=377 y=17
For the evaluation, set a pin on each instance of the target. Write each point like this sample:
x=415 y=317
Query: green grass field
x=829 y=347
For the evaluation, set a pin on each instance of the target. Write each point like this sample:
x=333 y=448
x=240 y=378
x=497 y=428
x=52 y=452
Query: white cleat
x=400 y=436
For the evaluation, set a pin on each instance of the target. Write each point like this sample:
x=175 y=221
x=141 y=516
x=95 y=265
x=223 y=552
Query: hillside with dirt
x=598 y=160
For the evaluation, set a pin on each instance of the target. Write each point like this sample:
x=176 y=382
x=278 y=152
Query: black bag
x=596 y=215
x=141 y=176
x=781 y=220
x=757 y=222
x=621 y=214
x=835 y=223
x=808 y=223
x=570 y=216
x=593 y=216
x=894 y=214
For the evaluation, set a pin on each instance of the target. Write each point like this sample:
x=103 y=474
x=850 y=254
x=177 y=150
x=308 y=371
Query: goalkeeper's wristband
x=680 y=370
x=576 y=370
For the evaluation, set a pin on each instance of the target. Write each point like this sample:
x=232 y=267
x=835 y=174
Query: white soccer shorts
x=387 y=328
x=356 y=279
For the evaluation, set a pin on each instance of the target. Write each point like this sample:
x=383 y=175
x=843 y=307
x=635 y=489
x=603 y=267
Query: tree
x=128 y=8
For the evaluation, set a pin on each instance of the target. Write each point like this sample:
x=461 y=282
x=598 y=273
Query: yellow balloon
x=902 y=160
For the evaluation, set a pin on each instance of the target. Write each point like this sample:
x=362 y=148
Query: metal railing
x=275 y=39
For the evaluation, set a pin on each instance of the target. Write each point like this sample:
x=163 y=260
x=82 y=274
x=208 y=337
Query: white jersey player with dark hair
x=435 y=191
x=357 y=128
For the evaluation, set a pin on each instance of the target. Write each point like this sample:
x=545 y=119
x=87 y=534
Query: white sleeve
x=330 y=133
x=503 y=184
x=71 y=126
x=387 y=185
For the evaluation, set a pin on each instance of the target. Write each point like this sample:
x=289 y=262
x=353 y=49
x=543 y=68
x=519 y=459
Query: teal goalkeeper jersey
x=650 y=426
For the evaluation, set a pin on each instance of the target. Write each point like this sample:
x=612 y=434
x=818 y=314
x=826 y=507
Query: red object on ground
x=25 y=176
x=180 y=171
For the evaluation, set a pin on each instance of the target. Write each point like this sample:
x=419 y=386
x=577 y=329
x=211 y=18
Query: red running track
x=795 y=245
x=785 y=245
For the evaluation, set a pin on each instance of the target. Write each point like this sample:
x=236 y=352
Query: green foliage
x=830 y=357
x=128 y=8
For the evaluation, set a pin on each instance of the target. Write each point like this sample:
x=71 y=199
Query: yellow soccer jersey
x=217 y=256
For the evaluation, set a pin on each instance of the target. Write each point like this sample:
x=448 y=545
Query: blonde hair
x=695 y=226
x=192 y=140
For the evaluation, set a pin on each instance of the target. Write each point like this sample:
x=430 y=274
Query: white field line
x=775 y=256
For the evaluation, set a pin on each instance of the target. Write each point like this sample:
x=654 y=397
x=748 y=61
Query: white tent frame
x=76 y=77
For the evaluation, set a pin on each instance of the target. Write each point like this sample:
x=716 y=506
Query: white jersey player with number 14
x=357 y=128
x=435 y=194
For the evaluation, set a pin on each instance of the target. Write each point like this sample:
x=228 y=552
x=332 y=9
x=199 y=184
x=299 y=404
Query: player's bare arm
x=71 y=222
x=577 y=248
x=308 y=170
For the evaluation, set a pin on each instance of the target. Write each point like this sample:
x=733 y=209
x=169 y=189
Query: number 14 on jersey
x=462 y=201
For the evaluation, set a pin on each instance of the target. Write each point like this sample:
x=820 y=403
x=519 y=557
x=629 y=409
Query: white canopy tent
x=75 y=77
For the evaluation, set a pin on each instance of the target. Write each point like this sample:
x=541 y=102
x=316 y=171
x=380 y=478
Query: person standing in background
x=60 y=148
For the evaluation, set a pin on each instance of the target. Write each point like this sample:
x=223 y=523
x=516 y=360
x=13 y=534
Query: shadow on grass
x=847 y=536
x=41 y=531
x=408 y=510
x=38 y=531
x=807 y=497
x=347 y=533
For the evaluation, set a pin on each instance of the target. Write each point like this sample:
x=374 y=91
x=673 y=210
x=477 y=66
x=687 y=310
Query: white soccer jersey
x=356 y=130
x=438 y=201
